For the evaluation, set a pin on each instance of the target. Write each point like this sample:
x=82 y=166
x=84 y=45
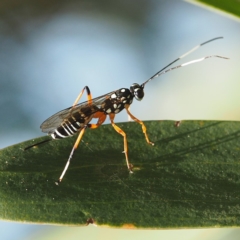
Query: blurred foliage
x=231 y=6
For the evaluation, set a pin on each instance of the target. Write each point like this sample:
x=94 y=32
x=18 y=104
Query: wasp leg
x=89 y=96
x=120 y=131
x=101 y=118
x=144 y=129
x=71 y=154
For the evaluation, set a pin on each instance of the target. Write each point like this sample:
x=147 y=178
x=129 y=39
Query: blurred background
x=49 y=50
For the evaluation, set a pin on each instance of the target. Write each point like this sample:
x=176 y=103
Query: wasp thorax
x=137 y=91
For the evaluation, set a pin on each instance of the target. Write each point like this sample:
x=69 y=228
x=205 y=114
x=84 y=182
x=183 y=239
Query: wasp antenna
x=183 y=65
x=36 y=144
x=195 y=48
x=182 y=56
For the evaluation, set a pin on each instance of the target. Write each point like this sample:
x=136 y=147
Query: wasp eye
x=137 y=91
x=139 y=94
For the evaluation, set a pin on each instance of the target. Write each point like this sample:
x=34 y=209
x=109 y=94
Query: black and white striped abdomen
x=69 y=121
x=70 y=126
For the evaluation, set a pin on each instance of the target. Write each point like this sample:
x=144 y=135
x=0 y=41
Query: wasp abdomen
x=73 y=123
x=67 y=129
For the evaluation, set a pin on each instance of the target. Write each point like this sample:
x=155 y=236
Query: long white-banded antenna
x=184 y=64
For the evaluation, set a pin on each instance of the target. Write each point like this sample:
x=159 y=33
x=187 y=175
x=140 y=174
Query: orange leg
x=120 y=131
x=101 y=118
x=144 y=129
x=75 y=146
x=89 y=96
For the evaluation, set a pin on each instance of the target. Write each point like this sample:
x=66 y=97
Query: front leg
x=144 y=129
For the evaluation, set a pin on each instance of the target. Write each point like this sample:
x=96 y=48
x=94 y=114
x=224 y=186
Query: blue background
x=49 y=53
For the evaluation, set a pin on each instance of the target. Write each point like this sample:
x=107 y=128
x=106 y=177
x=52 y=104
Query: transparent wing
x=56 y=120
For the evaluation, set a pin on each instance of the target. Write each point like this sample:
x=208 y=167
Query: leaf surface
x=190 y=178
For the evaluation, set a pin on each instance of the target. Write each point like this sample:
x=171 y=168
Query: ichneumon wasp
x=78 y=117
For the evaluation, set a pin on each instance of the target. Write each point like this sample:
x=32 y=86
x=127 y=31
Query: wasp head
x=137 y=91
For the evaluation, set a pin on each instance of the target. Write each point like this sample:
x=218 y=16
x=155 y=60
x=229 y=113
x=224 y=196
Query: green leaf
x=230 y=6
x=190 y=178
